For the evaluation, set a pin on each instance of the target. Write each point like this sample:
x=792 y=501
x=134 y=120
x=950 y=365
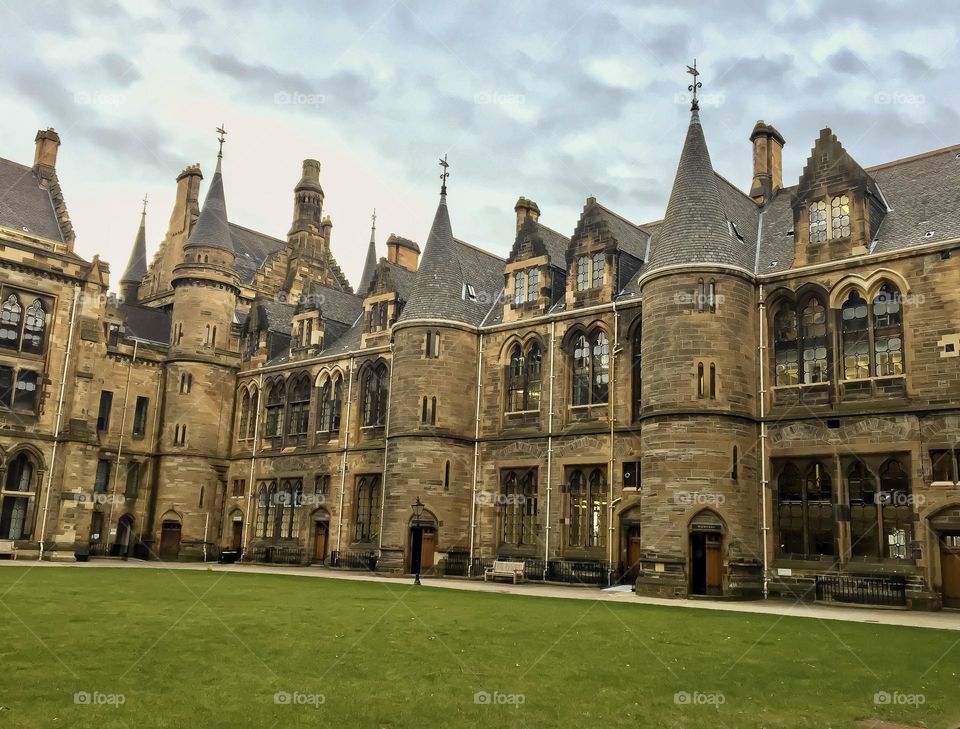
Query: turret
x=137 y=265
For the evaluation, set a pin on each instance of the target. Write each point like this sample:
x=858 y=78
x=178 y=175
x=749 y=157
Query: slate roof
x=212 y=228
x=252 y=249
x=146 y=322
x=335 y=304
x=630 y=237
x=556 y=244
x=695 y=228
x=369 y=265
x=24 y=205
x=137 y=265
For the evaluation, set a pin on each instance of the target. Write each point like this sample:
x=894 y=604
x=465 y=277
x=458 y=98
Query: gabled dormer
x=535 y=273
x=389 y=288
x=837 y=206
x=306 y=333
x=604 y=253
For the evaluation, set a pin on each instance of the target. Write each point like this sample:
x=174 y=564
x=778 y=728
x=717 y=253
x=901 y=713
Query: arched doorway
x=19 y=488
x=423 y=542
x=121 y=545
x=945 y=524
x=630 y=536
x=321 y=535
x=706 y=554
x=170 y=529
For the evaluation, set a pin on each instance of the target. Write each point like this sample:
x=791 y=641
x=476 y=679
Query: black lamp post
x=417 y=513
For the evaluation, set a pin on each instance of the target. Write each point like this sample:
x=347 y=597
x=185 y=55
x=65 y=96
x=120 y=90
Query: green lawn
x=211 y=650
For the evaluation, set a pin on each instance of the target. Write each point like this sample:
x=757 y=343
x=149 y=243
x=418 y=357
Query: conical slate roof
x=438 y=292
x=695 y=227
x=370 y=265
x=212 y=228
x=137 y=265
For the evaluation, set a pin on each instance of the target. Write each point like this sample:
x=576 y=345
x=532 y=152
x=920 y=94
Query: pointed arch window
x=367 y=509
x=813 y=342
x=244 y=424
x=862 y=490
x=887 y=332
x=33 y=328
x=519 y=507
x=519 y=288
x=524 y=379
x=18 y=489
x=263 y=508
x=331 y=404
x=254 y=411
x=591 y=369
x=10 y=315
x=856 y=337
x=298 y=407
x=805 y=512
x=276 y=401
x=587 y=508
x=375 y=386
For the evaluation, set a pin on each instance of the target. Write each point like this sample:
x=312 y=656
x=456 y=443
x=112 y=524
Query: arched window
x=887 y=332
x=587 y=515
x=856 y=337
x=598 y=270
x=519 y=288
x=637 y=370
x=367 y=509
x=446 y=476
x=244 y=424
x=862 y=490
x=276 y=400
x=10 y=314
x=533 y=284
x=813 y=336
x=276 y=509
x=433 y=410
x=298 y=408
x=336 y=405
x=583 y=273
x=263 y=510
x=896 y=512
x=519 y=507
x=516 y=380
x=328 y=415
x=786 y=346
x=839 y=217
x=33 y=328
x=818 y=221
x=581 y=371
x=14 y=509
x=325 y=405
x=375 y=386
x=287 y=507
x=701 y=381
x=524 y=376
x=254 y=410
x=591 y=369
x=713 y=381
x=805 y=512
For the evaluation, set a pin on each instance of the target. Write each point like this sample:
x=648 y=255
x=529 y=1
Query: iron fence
x=354 y=560
x=862 y=590
x=274 y=555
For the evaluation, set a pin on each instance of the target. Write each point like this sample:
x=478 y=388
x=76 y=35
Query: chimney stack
x=526 y=209
x=405 y=253
x=45 y=155
x=767 y=162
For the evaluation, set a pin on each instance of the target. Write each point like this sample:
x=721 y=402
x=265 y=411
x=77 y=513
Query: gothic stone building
x=759 y=390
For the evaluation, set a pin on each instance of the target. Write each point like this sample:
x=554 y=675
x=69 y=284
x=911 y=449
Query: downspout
x=476 y=460
x=386 y=449
x=56 y=430
x=611 y=397
x=154 y=462
x=548 y=527
x=763 y=443
x=250 y=516
x=158 y=424
x=123 y=425
x=343 y=459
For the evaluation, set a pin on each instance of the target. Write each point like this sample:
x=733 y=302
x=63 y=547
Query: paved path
x=944 y=620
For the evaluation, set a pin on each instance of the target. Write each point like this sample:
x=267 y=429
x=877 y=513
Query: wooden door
x=320 y=541
x=236 y=541
x=633 y=554
x=169 y=540
x=950 y=573
x=428 y=545
x=714 y=565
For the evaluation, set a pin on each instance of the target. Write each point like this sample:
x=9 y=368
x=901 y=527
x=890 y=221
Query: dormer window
x=533 y=283
x=526 y=286
x=519 y=287
x=597 y=270
x=469 y=293
x=818 y=222
x=583 y=273
x=840 y=217
x=378 y=316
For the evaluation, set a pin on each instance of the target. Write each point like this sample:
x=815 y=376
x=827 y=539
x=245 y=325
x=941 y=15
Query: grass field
x=103 y=648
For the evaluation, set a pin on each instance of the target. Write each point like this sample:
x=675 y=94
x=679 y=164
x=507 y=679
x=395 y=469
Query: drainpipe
x=56 y=430
x=476 y=460
x=253 y=460
x=154 y=462
x=343 y=459
x=548 y=527
x=611 y=390
x=123 y=425
x=386 y=449
x=763 y=443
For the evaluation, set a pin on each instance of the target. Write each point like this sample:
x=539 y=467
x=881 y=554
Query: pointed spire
x=137 y=265
x=370 y=265
x=212 y=228
x=695 y=227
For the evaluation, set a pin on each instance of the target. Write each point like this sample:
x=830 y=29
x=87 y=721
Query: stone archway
x=945 y=526
x=705 y=553
x=422 y=542
x=630 y=544
x=320 y=519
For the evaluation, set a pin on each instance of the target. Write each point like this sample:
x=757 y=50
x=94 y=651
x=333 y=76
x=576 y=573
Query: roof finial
x=692 y=70
x=373 y=223
x=222 y=138
x=144 y=212
x=443 y=187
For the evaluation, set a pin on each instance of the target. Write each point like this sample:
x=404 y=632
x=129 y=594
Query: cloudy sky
x=551 y=100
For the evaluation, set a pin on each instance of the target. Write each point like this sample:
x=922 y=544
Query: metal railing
x=353 y=560
x=274 y=555
x=862 y=590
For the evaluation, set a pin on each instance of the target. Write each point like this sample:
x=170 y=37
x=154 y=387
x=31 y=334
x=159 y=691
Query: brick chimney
x=526 y=209
x=403 y=252
x=767 y=162
x=45 y=155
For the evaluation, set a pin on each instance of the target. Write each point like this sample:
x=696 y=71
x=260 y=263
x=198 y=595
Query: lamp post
x=417 y=513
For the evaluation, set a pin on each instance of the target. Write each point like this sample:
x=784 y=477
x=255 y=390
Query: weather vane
x=144 y=203
x=373 y=223
x=443 y=163
x=222 y=138
x=692 y=70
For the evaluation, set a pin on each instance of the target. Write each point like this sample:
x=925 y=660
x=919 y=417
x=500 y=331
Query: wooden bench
x=8 y=547
x=505 y=568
